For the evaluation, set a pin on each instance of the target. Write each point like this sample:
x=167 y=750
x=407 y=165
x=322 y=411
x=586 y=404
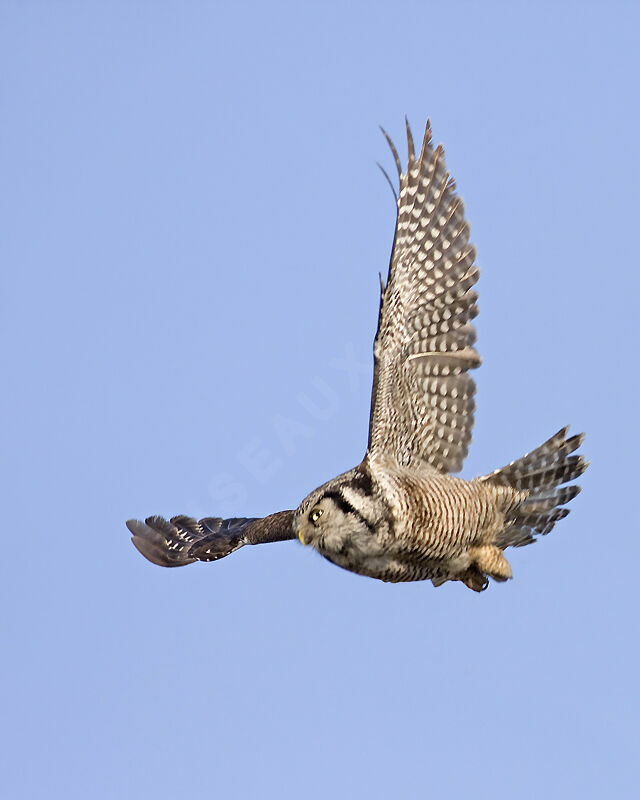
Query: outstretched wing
x=183 y=540
x=423 y=397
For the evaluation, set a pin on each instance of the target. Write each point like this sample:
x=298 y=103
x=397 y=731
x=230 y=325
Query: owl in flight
x=400 y=515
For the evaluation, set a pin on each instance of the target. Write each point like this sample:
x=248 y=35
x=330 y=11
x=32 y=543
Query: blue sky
x=193 y=226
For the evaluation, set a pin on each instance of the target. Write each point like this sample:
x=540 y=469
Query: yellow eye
x=315 y=515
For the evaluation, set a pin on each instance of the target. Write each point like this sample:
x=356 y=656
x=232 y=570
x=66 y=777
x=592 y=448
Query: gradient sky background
x=193 y=226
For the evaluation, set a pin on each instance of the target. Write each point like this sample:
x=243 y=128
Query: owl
x=400 y=515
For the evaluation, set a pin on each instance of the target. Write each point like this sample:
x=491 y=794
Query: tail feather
x=540 y=474
x=544 y=522
x=553 y=456
x=545 y=501
x=531 y=478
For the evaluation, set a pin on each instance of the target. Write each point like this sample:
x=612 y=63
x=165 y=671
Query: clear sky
x=192 y=229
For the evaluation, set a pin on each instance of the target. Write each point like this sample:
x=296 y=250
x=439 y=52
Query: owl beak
x=299 y=533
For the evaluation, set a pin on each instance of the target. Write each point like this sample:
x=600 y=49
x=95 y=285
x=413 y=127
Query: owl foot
x=490 y=560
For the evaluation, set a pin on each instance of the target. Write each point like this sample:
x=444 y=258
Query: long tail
x=539 y=475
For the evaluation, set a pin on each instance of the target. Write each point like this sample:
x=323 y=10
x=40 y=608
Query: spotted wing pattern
x=423 y=397
x=183 y=540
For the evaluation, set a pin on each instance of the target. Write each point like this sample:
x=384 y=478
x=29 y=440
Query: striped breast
x=439 y=516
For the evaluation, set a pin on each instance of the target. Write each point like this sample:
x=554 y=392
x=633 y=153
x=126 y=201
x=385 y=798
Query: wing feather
x=183 y=540
x=423 y=398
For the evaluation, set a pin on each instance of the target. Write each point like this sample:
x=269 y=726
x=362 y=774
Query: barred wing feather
x=423 y=397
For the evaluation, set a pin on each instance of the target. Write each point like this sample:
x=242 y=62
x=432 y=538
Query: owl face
x=331 y=520
x=320 y=520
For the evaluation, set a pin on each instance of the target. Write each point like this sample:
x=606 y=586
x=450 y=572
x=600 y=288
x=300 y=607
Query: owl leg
x=490 y=560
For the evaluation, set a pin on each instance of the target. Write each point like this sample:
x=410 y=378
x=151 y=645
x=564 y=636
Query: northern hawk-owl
x=399 y=515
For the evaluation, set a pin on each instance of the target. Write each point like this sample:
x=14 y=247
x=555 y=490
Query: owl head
x=343 y=513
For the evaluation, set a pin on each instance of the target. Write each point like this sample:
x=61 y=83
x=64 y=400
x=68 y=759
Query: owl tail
x=539 y=475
